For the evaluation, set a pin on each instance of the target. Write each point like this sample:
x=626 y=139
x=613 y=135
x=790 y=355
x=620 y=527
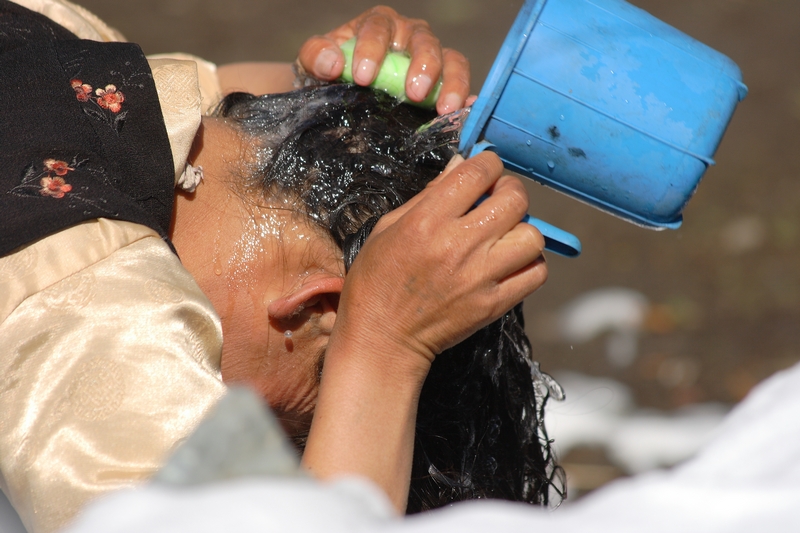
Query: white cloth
x=746 y=480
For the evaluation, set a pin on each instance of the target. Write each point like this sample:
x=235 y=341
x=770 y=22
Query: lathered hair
x=346 y=156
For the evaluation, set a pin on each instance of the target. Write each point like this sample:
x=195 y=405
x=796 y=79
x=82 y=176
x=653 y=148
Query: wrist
x=365 y=418
x=377 y=352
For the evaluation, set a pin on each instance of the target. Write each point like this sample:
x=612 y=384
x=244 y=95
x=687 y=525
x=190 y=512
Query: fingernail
x=450 y=103
x=325 y=63
x=365 y=72
x=419 y=87
x=453 y=163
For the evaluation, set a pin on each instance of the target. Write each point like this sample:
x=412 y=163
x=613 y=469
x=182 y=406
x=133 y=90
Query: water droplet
x=528 y=142
x=551 y=165
x=562 y=117
x=287 y=334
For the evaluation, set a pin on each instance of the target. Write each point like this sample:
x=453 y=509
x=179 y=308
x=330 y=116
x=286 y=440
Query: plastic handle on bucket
x=556 y=240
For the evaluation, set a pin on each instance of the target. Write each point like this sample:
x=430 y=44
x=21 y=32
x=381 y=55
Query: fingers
x=514 y=251
x=453 y=194
x=378 y=31
x=459 y=190
x=321 y=56
x=391 y=217
x=374 y=33
x=455 y=82
x=451 y=165
x=522 y=283
x=499 y=213
x=517 y=266
x=426 y=60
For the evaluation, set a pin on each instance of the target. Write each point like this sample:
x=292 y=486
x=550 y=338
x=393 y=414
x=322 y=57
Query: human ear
x=319 y=289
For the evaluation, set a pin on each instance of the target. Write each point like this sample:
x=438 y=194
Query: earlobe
x=314 y=287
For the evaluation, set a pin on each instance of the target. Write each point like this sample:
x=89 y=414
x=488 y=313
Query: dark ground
x=726 y=285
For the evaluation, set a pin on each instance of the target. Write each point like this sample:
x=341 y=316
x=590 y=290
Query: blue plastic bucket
x=602 y=101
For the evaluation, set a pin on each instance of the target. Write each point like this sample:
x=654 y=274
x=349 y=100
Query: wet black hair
x=346 y=156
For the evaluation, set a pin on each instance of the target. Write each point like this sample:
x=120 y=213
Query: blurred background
x=654 y=335
x=678 y=325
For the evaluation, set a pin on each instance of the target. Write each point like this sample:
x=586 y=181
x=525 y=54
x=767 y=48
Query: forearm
x=365 y=418
x=256 y=78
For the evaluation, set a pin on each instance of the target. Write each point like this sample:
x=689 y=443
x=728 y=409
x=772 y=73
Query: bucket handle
x=556 y=240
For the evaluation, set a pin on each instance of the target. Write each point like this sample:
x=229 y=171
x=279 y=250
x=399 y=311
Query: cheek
x=284 y=371
x=289 y=384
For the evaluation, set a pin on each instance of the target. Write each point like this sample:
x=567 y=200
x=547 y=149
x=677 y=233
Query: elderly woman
x=329 y=163
x=112 y=344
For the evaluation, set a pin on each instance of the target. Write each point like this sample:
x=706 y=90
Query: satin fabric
x=103 y=372
x=109 y=351
x=78 y=20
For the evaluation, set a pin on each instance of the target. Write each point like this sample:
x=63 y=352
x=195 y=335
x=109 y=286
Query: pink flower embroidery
x=55 y=187
x=59 y=167
x=110 y=98
x=82 y=90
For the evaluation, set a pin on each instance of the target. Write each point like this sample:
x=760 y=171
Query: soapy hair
x=345 y=156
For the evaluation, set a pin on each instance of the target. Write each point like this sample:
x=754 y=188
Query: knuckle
x=424 y=41
x=473 y=173
x=517 y=195
x=421 y=224
x=384 y=11
x=455 y=57
x=311 y=45
x=375 y=23
x=485 y=165
x=375 y=17
x=419 y=25
x=456 y=69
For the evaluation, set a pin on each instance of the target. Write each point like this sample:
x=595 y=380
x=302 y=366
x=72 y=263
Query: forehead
x=276 y=233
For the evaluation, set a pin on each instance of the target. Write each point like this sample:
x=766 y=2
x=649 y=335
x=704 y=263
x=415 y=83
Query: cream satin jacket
x=109 y=351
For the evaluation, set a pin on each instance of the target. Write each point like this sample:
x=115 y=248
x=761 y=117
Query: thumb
x=321 y=57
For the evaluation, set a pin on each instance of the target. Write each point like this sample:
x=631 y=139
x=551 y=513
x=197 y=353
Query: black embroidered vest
x=81 y=132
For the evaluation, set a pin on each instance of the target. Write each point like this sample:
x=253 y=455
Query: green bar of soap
x=391 y=78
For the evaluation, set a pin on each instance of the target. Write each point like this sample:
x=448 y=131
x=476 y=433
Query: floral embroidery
x=59 y=167
x=105 y=100
x=110 y=98
x=47 y=182
x=82 y=90
x=50 y=180
x=55 y=187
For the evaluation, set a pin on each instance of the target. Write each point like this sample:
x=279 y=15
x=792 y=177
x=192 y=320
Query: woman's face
x=277 y=313
x=273 y=278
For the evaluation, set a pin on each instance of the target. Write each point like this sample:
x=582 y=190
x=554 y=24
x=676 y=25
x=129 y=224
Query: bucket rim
x=501 y=70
